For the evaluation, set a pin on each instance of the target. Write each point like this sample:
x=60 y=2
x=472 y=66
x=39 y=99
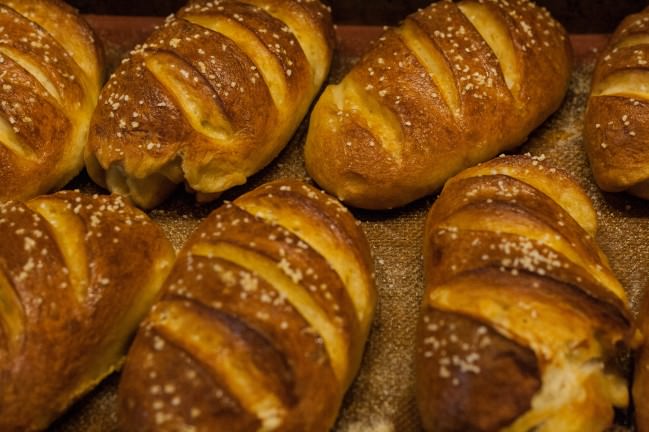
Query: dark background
x=579 y=16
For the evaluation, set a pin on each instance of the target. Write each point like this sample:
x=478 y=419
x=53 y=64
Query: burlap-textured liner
x=381 y=399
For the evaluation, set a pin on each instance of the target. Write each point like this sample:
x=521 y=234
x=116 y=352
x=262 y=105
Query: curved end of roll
x=615 y=139
x=350 y=162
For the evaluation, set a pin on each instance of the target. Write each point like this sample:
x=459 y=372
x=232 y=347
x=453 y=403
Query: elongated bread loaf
x=77 y=275
x=51 y=69
x=262 y=322
x=522 y=316
x=455 y=84
x=617 y=119
x=210 y=98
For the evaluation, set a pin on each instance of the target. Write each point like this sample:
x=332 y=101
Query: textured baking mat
x=381 y=399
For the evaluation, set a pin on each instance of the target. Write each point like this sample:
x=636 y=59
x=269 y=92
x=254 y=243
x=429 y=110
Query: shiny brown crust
x=641 y=372
x=486 y=401
x=77 y=275
x=617 y=120
x=434 y=96
x=520 y=304
x=210 y=98
x=262 y=322
x=51 y=66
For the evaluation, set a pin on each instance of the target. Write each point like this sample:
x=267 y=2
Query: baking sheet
x=381 y=399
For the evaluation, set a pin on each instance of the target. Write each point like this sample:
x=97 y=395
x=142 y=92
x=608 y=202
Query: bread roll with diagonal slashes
x=262 y=321
x=51 y=71
x=617 y=119
x=77 y=275
x=210 y=98
x=522 y=317
x=454 y=85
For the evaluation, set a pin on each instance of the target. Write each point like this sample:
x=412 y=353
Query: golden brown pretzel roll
x=77 y=275
x=522 y=315
x=455 y=84
x=617 y=119
x=51 y=68
x=210 y=98
x=262 y=321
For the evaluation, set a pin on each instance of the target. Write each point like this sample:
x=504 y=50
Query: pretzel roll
x=522 y=317
x=51 y=70
x=454 y=85
x=262 y=322
x=77 y=275
x=617 y=119
x=210 y=98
